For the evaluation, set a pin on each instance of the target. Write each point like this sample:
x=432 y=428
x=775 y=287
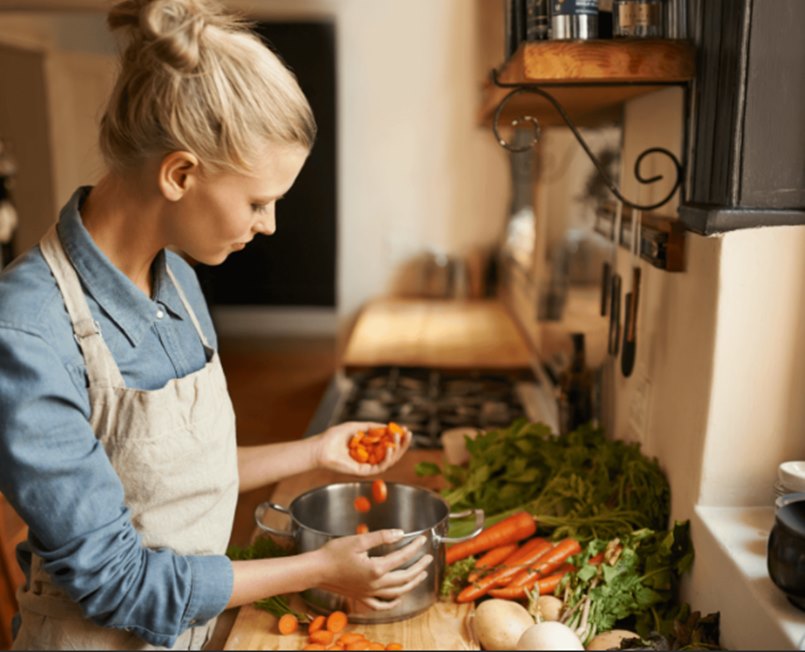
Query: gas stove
x=429 y=401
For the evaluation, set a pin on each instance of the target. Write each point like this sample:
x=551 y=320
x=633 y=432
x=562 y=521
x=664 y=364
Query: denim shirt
x=56 y=474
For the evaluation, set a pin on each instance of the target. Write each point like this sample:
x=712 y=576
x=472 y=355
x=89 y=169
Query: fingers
x=380 y=605
x=403 y=577
x=397 y=558
x=399 y=591
x=381 y=537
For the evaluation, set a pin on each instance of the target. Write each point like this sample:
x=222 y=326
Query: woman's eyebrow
x=268 y=199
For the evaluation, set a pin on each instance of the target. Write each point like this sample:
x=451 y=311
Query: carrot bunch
x=327 y=633
x=513 y=562
x=371 y=446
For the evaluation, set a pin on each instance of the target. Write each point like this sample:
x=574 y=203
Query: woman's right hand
x=351 y=572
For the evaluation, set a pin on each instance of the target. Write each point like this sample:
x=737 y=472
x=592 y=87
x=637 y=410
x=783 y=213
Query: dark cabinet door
x=296 y=265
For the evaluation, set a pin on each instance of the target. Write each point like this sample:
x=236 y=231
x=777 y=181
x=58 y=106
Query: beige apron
x=175 y=452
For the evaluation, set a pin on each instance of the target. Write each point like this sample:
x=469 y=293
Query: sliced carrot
x=362 y=528
x=337 y=621
x=323 y=636
x=316 y=624
x=314 y=646
x=362 y=504
x=515 y=528
x=396 y=428
x=376 y=646
x=288 y=624
x=380 y=492
x=394 y=646
x=359 y=645
x=351 y=637
x=491 y=559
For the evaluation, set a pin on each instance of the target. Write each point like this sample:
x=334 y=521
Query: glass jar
x=637 y=18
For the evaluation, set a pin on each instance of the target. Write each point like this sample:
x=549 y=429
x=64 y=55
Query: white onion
x=549 y=635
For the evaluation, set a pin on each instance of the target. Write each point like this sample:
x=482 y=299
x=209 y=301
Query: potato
x=610 y=640
x=549 y=607
x=549 y=636
x=498 y=624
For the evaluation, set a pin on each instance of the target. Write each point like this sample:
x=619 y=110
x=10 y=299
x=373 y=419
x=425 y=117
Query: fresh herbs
x=638 y=580
x=455 y=577
x=580 y=484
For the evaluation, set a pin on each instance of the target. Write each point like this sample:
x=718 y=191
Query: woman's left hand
x=332 y=449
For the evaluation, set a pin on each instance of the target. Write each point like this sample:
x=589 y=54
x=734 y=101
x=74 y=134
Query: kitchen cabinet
x=445 y=626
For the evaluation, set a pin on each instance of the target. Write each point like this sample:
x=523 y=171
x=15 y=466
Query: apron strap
x=102 y=370
x=189 y=310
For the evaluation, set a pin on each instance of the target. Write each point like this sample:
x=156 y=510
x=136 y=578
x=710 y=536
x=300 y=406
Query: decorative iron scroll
x=519 y=89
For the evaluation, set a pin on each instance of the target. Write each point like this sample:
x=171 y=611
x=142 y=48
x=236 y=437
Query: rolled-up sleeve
x=57 y=476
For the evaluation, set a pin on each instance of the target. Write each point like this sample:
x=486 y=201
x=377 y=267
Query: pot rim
x=412 y=533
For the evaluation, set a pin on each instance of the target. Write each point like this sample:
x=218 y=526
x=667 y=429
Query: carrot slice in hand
x=288 y=624
x=362 y=528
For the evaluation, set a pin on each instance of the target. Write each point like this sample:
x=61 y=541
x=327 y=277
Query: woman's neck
x=122 y=217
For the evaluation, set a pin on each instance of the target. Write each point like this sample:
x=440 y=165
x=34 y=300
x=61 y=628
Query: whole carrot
x=547 y=563
x=491 y=559
x=510 y=530
x=527 y=555
x=547 y=585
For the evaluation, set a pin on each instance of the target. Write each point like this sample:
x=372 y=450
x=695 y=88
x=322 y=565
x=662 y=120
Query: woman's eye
x=259 y=208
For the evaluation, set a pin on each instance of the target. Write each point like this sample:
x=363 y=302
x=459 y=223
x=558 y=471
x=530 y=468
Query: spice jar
x=574 y=19
x=637 y=18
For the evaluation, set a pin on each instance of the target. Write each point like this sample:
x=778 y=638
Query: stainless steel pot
x=324 y=513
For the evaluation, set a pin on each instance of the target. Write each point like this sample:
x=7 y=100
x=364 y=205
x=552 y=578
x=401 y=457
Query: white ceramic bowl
x=455 y=446
x=792 y=476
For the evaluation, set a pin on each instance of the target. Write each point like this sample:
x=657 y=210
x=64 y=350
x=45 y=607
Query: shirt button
x=160 y=314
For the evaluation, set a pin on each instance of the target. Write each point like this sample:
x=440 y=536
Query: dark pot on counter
x=324 y=513
x=786 y=549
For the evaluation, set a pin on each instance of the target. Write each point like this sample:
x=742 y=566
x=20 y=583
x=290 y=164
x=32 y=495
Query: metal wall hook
x=518 y=89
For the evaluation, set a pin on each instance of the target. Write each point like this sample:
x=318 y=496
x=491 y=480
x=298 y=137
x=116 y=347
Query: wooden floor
x=275 y=385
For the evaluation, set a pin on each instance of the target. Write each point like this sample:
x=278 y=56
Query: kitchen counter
x=477 y=334
x=444 y=626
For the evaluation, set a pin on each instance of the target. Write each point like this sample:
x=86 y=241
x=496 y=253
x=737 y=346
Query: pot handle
x=260 y=512
x=479 y=525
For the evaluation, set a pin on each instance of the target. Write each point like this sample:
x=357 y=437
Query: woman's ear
x=177 y=173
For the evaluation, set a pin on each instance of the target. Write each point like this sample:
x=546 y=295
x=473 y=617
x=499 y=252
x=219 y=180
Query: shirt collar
x=116 y=294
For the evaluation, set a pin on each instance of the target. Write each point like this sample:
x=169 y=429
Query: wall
x=415 y=168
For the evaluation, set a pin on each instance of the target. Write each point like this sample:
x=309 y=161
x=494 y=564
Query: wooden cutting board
x=445 y=626
x=477 y=334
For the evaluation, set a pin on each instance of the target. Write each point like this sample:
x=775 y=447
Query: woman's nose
x=267 y=224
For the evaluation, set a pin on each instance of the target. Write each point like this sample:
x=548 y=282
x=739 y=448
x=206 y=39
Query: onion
x=498 y=624
x=549 y=635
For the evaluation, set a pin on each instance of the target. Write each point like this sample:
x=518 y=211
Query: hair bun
x=169 y=29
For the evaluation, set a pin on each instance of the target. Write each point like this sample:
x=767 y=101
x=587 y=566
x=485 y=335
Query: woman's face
x=222 y=212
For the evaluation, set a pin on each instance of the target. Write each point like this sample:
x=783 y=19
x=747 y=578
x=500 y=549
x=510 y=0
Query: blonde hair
x=195 y=79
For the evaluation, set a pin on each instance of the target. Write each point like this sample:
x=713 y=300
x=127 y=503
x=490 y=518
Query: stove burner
x=428 y=401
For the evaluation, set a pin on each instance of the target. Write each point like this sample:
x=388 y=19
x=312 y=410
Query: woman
x=116 y=430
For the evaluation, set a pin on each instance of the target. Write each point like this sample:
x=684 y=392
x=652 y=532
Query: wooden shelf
x=590 y=79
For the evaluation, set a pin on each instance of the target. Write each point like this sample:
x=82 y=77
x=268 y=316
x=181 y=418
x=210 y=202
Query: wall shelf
x=590 y=79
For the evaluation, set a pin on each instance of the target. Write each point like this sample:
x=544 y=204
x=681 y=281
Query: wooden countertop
x=445 y=626
x=477 y=334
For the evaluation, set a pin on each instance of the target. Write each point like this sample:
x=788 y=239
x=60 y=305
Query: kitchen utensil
x=786 y=548
x=632 y=302
x=613 y=341
x=327 y=512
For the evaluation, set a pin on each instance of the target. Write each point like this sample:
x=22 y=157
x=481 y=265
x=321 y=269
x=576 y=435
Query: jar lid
x=792 y=476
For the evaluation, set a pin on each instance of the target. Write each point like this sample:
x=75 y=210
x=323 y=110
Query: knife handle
x=606 y=282
x=632 y=309
x=615 y=316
